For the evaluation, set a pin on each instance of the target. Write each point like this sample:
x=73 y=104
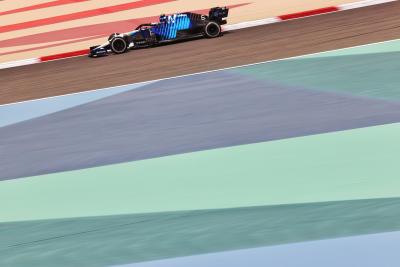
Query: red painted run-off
x=81 y=15
x=309 y=13
x=282 y=17
x=65 y=55
x=133 y=22
x=40 y=6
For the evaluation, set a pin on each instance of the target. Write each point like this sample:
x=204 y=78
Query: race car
x=175 y=27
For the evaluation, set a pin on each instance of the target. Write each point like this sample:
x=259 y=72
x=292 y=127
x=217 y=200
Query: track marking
x=41 y=6
x=281 y=18
x=81 y=15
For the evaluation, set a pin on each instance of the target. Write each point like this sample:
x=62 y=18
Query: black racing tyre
x=212 y=29
x=119 y=45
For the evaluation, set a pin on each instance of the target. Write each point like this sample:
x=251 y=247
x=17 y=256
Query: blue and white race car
x=174 y=27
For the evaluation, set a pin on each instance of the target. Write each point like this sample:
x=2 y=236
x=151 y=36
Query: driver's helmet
x=163 y=18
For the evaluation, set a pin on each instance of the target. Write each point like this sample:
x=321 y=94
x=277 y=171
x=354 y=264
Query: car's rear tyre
x=119 y=45
x=212 y=29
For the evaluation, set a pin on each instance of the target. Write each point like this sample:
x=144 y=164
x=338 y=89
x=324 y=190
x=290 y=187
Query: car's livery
x=170 y=28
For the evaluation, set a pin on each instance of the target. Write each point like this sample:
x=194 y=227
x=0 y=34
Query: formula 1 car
x=170 y=28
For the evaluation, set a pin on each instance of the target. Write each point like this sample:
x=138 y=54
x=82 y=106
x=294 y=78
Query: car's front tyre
x=212 y=29
x=119 y=45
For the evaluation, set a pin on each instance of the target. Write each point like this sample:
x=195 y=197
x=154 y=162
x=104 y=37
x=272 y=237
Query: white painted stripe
x=249 y=24
x=364 y=3
x=19 y=63
x=211 y=71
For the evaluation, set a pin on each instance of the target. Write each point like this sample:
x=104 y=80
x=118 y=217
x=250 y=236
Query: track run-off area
x=257 y=165
x=332 y=167
x=291 y=38
x=40 y=28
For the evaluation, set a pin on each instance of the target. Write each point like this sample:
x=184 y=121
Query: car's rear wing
x=219 y=14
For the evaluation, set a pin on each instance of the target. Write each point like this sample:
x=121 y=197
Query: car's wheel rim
x=119 y=45
x=213 y=29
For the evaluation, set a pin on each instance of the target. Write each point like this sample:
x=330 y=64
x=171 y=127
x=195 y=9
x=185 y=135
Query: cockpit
x=163 y=18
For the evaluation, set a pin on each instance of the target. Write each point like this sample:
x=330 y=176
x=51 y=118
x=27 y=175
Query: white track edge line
x=19 y=63
x=363 y=3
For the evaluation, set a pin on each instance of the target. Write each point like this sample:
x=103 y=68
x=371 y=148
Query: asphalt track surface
x=292 y=38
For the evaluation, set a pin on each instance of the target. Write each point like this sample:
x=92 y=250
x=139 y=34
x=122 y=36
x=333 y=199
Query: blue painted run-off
x=18 y=112
x=366 y=251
